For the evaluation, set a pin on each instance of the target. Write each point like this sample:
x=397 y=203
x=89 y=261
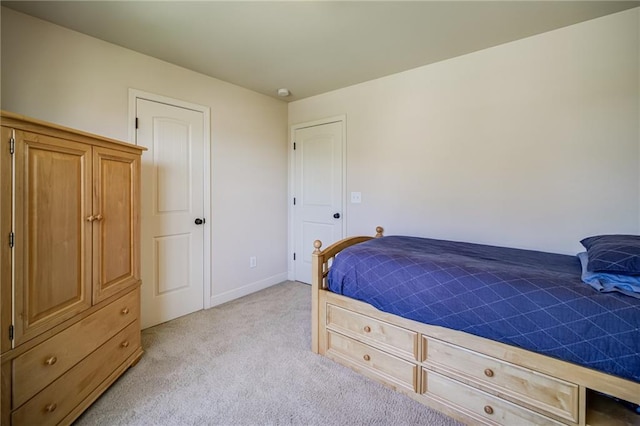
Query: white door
x=172 y=237
x=318 y=210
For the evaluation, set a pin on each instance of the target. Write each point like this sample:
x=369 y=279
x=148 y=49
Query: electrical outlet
x=253 y=262
x=356 y=197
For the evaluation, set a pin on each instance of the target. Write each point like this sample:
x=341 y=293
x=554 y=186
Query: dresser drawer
x=38 y=367
x=532 y=388
x=379 y=363
x=483 y=407
x=57 y=400
x=391 y=338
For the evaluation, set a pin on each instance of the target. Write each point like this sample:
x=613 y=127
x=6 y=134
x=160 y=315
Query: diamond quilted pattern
x=527 y=299
x=614 y=253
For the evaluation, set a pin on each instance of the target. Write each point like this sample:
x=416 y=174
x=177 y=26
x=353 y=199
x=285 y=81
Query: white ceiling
x=311 y=47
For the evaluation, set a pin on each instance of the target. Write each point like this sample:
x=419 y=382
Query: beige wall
x=530 y=144
x=61 y=76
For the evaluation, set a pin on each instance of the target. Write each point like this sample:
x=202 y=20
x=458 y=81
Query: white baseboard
x=245 y=290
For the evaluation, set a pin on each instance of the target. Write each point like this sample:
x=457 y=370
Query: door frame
x=134 y=95
x=291 y=272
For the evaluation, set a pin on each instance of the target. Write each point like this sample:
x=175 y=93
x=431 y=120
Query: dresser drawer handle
x=50 y=361
x=488 y=372
x=367 y=329
x=50 y=408
x=488 y=409
x=366 y=357
x=125 y=344
x=125 y=311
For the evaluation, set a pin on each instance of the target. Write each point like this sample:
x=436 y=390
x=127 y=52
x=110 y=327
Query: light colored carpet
x=248 y=362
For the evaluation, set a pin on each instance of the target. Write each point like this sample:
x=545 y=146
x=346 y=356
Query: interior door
x=173 y=225
x=318 y=190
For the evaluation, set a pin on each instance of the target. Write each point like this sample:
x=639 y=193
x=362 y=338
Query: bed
x=487 y=335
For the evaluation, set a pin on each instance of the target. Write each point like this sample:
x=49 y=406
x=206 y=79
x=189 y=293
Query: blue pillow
x=615 y=254
x=604 y=283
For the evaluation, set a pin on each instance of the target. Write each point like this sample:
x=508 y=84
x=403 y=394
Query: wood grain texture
x=378 y=363
x=115 y=232
x=395 y=340
x=6 y=194
x=53 y=241
x=483 y=407
x=5 y=393
x=74 y=286
x=63 y=395
x=46 y=362
x=29 y=124
x=522 y=385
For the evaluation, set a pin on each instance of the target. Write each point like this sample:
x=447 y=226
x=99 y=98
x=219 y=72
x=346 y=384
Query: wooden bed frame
x=473 y=379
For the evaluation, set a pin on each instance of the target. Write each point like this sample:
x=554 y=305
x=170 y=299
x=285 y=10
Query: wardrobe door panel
x=53 y=239
x=115 y=241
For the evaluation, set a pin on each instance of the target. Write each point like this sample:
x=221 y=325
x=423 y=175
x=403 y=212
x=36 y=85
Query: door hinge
x=11 y=239
x=294 y=201
x=294 y=146
x=294 y=256
x=11 y=332
x=136 y=122
x=12 y=145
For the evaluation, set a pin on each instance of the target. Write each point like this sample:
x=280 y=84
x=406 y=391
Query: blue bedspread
x=529 y=299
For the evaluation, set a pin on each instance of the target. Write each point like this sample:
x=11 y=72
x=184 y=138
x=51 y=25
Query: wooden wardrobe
x=70 y=280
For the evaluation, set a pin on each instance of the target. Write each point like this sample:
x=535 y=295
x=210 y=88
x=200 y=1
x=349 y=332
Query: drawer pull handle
x=488 y=372
x=367 y=329
x=125 y=344
x=488 y=409
x=50 y=408
x=366 y=357
x=125 y=311
x=50 y=361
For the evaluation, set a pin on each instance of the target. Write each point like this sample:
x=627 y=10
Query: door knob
x=199 y=221
x=336 y=215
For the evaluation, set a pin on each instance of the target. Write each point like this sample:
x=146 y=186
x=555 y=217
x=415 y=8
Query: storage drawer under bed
x=479 y=405
x=377 y=363
x=391 y=338
x=522 y=385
